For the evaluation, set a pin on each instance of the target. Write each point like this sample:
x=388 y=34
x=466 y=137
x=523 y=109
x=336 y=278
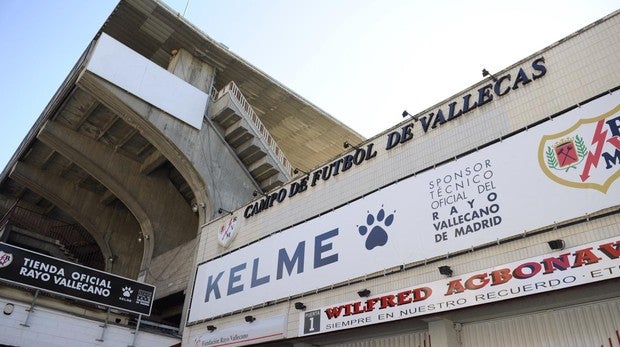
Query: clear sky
x=362 y=61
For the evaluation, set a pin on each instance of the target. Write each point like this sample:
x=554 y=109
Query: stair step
x=259 y=158
x=250 y=151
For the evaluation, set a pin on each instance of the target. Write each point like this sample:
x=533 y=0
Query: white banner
x=563 y=269
x=559 y=170
x=260 y=330
x=125 y=68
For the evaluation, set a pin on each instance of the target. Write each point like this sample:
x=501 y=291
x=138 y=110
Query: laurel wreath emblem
x=552 y=161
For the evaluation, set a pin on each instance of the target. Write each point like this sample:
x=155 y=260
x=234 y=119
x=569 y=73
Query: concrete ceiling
x=307 y=135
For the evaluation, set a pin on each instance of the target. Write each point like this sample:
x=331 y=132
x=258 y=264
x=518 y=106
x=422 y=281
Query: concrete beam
x=210 y=167
x=151 y=163
x=191 y=70
x=99 y=220
x=164 y=216
x=107 y=198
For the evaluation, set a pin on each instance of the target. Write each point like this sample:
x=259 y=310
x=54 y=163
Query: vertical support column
x=105 y=325
x=135 y=333
x=442 y=333
x=192 y=70
x=34 y=300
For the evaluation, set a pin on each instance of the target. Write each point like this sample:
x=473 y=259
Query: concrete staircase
x=249 y=138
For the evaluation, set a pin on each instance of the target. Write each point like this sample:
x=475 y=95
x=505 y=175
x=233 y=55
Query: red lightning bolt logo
x=592 y=160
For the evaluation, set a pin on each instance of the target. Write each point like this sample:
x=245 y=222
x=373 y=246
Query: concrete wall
x=55 y=328
x=171 y=271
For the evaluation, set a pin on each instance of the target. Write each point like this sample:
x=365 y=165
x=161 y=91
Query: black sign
x=54 y=275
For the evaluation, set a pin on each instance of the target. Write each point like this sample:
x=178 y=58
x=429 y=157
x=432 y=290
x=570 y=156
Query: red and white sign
x=586 y=155
x=227 y=232
x=571 y=267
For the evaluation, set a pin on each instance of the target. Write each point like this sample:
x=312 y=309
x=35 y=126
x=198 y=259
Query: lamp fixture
x=296 y=171
x=414 y=117
x=196 y=205
x=112 y=258
x=556 y=245
x=250 y=319
x=211 y=328
x=221 y=210
x=485 y=73
x=364 y=293
x=142 y=237
x=445 y=270
x=300 y=306
x=346 y=144
x=8 y=309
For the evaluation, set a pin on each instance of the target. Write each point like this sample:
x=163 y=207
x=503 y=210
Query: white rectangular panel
x=118 y=64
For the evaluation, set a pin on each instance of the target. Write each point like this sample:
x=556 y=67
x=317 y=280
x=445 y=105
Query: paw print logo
x=127 y=291
x=377 y=236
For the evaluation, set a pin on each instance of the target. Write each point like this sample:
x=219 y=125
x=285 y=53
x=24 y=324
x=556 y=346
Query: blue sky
x=362 y=61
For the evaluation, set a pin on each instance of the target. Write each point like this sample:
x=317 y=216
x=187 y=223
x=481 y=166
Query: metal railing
x=72 y=237
x=254 y=121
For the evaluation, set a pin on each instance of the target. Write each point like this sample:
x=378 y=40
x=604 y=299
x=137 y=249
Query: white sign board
x=563 y=269
x=260 y=330
x=123 y=67
x=498 y=192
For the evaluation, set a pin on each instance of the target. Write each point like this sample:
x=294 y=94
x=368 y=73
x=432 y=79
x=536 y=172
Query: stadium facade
x=171 y=193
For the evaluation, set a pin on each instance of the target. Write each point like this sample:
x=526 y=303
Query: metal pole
x=135 y=333
x=29 y=310
x=104 y=326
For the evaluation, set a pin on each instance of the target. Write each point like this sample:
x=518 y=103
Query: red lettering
x=387 y=301
x=403 y=297
x=357 y=309
x=585 y=256
x=455 y=286
x=560 y=263
x=469 y=284
x=533 y=267
x=420 y=294
x=500 y=276
x=612 y=249
x=370 y=304
x=333 y=312
x=347 y=309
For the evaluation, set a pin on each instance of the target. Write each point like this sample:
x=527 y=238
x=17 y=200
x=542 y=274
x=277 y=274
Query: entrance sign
x=498 y=192
x=24 y=267
x=572 y=267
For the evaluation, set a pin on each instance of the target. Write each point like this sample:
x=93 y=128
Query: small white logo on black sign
x=143 y=297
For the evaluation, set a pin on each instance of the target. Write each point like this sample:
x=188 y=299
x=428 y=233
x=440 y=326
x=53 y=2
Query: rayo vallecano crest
x=587 y=155
x=5 y=259
x=227 y=231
